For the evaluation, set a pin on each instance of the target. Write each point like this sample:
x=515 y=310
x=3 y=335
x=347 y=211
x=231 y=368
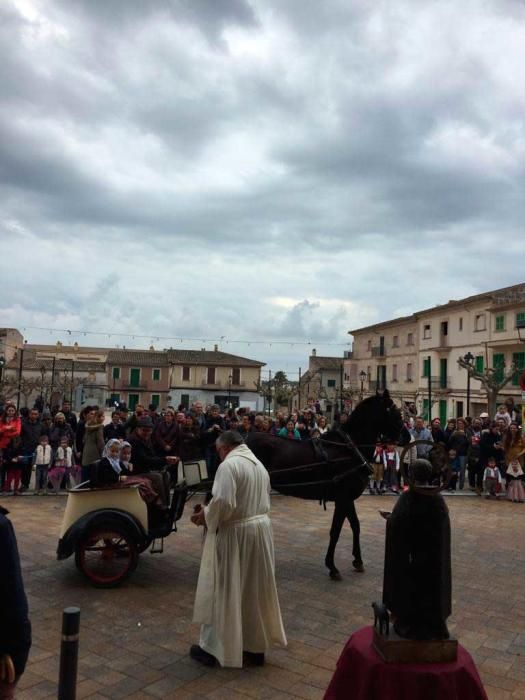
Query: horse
x=334 y=467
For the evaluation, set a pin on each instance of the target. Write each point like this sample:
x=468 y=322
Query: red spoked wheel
x=106 y=555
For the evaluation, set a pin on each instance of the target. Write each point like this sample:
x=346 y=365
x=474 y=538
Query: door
x=443 y=412
x=134 y=377
x=443 y=374
x=459 y=409
x=133 y=400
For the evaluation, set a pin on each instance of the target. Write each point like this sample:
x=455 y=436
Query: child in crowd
x=290 y=431
x=492 y=479
x=391 y=467
x=454 y=469
x=42 y=460
x=377 y=481
x=63 y=459
x=515 y=490
x=13 y=468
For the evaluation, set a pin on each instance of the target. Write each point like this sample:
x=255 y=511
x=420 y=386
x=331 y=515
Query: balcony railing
x=379 y=351
x=216 y=384
x=437 y=383
x=126 y=386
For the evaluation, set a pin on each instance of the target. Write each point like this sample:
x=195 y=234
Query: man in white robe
x=236 y=600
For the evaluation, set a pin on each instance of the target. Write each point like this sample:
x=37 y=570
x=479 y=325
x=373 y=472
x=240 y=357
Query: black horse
x=334 y=467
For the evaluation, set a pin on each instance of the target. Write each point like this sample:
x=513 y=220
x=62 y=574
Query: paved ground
x=134 y=640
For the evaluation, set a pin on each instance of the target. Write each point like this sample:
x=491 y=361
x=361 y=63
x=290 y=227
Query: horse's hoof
x=335 y=575
x=358 y=566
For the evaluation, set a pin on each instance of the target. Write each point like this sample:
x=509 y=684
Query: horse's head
x=375 y=418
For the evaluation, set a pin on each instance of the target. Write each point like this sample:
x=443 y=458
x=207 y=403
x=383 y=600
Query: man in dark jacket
x=32 y=429
x=70 y=417
x=143 y=455
x=15 y=628
x=114 y=430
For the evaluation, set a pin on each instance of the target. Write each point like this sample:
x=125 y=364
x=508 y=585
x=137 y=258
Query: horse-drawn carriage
x=107 y=528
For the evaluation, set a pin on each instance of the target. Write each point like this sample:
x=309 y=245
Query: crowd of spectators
x=59 y=447
x=485 y=454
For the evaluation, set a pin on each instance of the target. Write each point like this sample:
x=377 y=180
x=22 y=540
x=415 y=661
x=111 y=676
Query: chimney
x=314 y=352
x=216 y=348
x=151 y=348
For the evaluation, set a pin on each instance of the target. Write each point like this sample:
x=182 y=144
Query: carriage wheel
x=106 y=555
x=441 y=472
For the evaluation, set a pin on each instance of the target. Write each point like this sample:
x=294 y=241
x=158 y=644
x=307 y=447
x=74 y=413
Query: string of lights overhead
x=183 y=339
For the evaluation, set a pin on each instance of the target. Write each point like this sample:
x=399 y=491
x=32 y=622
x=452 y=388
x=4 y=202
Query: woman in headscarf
x=114 y=469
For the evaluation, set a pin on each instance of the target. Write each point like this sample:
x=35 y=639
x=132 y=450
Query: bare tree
x=491 y=380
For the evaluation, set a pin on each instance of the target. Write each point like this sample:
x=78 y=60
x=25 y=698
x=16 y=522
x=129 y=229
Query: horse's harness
x=320 y=452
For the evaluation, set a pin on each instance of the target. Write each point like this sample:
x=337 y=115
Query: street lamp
x=362 y=378
x=468 y=357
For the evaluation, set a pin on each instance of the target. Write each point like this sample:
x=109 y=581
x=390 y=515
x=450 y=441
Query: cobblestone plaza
x=135 y=639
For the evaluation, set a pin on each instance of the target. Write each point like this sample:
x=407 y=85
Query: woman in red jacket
x=10 y=428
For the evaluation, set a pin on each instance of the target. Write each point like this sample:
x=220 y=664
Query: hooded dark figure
x=417 y=585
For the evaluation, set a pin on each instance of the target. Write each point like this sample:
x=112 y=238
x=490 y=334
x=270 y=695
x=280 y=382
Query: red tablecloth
x=361 y=674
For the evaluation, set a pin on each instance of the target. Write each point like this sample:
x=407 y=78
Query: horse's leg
x=337 y=525
x=351 y=514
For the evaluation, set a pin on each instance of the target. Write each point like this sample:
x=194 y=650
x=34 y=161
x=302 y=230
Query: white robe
x=236 y=600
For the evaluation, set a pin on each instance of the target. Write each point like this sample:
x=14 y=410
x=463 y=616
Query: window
x=427 y=332
x=185 y=374
x=236 y=375
x=368 y=344
x=479 y=322
x=498 y=363
x=519 y=360
x=500 y=322
x=134 y=376
x=460 y=324
x=480 y=363
x=185 y=399
x=394 y=373
x=409 y=372
x=395 y=341
x=155 y=375
x=520 y=317
x=410 y=339
x=444 y=327
x=114 y=399
x=330 y=383
x=210 y=375
x=155 y=399
x=133 y=400
x=426 y=367
x=116 y=372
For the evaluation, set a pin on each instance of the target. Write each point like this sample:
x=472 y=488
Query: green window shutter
x=116 y=372
x=498 y=363
x=426 y=368
x=155 y=399
x=425 y=409
x=134 y=377
x=480 y=363
x=443 y=411
x=520 y=316
x=156 y=375
x=500 y=323
x=519 y=360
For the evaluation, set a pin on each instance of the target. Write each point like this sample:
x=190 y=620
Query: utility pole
x=72 y=379
x=20 y=369
x=429 y=389
x=52 y=379
x=341 y=408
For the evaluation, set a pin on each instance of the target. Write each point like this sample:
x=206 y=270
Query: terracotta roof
x=36 y=363
x=52 y=349
x=210 y=357
x=320 y=362
x=138 y=358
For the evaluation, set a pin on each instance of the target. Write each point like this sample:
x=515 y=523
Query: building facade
x=410 y=354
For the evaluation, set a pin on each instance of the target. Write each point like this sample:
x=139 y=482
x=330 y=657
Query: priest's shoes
x=202 y=656
x=253 y=659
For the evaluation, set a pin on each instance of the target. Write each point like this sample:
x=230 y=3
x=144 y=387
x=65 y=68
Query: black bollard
x=67 y=679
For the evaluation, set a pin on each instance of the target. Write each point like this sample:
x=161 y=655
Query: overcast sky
x=264 y=170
